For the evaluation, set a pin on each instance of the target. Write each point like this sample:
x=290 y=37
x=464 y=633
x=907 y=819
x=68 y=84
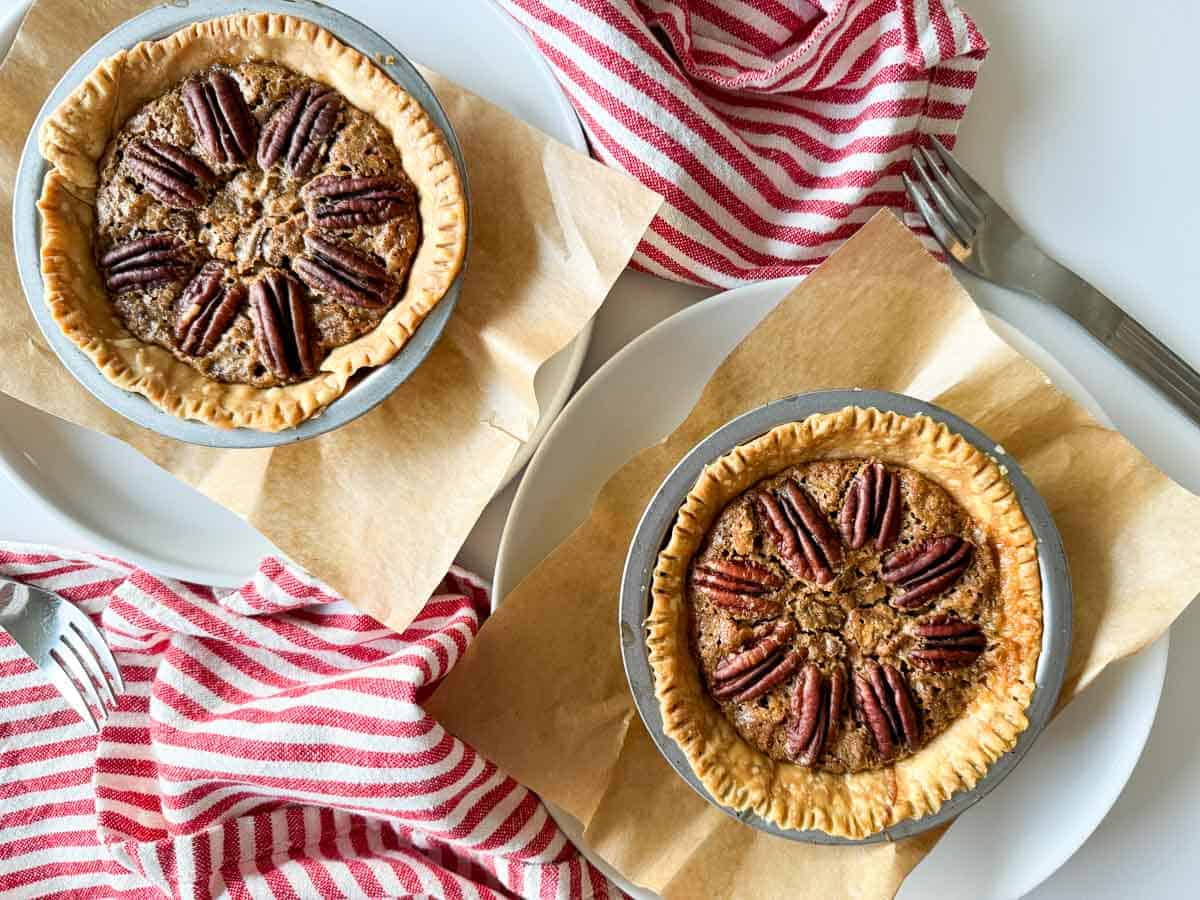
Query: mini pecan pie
x=240 y=216
x=847 y=621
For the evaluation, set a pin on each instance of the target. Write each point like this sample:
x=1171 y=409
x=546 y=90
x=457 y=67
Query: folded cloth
x=271 y=743
x=773 y=128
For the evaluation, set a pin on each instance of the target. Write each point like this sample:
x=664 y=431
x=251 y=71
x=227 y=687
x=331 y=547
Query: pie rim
x=73 y=139
x=854 y=806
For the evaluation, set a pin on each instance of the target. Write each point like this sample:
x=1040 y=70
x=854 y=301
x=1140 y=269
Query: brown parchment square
x=379 y=508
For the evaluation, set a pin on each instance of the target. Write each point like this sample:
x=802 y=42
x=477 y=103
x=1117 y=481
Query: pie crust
x=73 y=140
x=739 y=775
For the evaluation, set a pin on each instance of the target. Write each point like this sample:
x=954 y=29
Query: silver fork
x=981 y=236
x=63 y=643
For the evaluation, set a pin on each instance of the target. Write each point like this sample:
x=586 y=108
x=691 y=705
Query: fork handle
x=1055 y=284
x=1158 y=364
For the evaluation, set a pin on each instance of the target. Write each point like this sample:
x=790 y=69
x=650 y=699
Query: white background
x=1085 y=127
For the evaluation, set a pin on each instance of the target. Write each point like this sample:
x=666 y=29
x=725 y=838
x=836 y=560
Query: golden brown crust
x=74 y=137
x=856 y=805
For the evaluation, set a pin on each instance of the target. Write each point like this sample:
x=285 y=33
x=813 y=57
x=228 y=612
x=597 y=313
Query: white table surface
x=1083 y=125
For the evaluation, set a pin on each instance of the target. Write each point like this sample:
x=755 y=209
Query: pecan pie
x=240 y=216
x=846 y=621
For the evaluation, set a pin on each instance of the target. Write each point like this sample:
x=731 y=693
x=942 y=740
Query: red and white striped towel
x=773 y=128
x=271 y=744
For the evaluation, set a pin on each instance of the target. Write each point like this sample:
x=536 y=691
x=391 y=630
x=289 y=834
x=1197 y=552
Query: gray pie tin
x=655 y=526
x=367 y=390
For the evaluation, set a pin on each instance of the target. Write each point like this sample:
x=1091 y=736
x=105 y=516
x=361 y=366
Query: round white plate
x=10 y=20
x=130 y=508
x=1072 y=775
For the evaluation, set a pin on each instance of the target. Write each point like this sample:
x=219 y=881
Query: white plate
x=130 y=508
x=1073 y=774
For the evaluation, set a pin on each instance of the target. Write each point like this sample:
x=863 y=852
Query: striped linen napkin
x=773 y=128
x=271 y=743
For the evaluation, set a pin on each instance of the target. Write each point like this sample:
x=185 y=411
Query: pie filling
x=250 y=220
x=843 y=613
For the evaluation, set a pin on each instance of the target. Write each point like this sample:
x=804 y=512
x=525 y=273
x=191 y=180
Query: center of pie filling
x=250 y=220
x=841 y=613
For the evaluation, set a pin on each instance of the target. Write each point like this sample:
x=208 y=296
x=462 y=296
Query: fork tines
x=86 y=669
x=954 y=205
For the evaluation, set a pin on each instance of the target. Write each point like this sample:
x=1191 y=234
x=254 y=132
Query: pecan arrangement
x=840 y=611
x=250 y=221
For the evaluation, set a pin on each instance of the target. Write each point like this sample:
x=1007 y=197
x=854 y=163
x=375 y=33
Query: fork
x=65 y=644
x=984 y=239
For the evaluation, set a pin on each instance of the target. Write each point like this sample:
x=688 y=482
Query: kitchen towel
x=271 y=743
x=772 y=128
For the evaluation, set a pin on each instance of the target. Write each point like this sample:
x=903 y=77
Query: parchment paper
x=543 y=693
x=380 y=507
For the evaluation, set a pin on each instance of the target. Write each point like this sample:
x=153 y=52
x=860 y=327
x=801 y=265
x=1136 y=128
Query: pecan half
x=206 y=309
x=283 y=331
x=765 y=642
x=220 y=117
x=753 y=682
x=947 y=642
x=886 y=708
x=170 y=175
x=925 y=569
x=805 y=542
x=738 y=585
x=816 y=709
x=338 y=270
x=338 y=202
x=144 y=262
x=871 y=508
x=296 y=132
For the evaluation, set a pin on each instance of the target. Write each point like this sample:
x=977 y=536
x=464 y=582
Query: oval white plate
x=130 y=508
x=1045 y=809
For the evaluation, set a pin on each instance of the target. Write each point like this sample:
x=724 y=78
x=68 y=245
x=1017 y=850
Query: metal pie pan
x=659 y=518
x=367 y=390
